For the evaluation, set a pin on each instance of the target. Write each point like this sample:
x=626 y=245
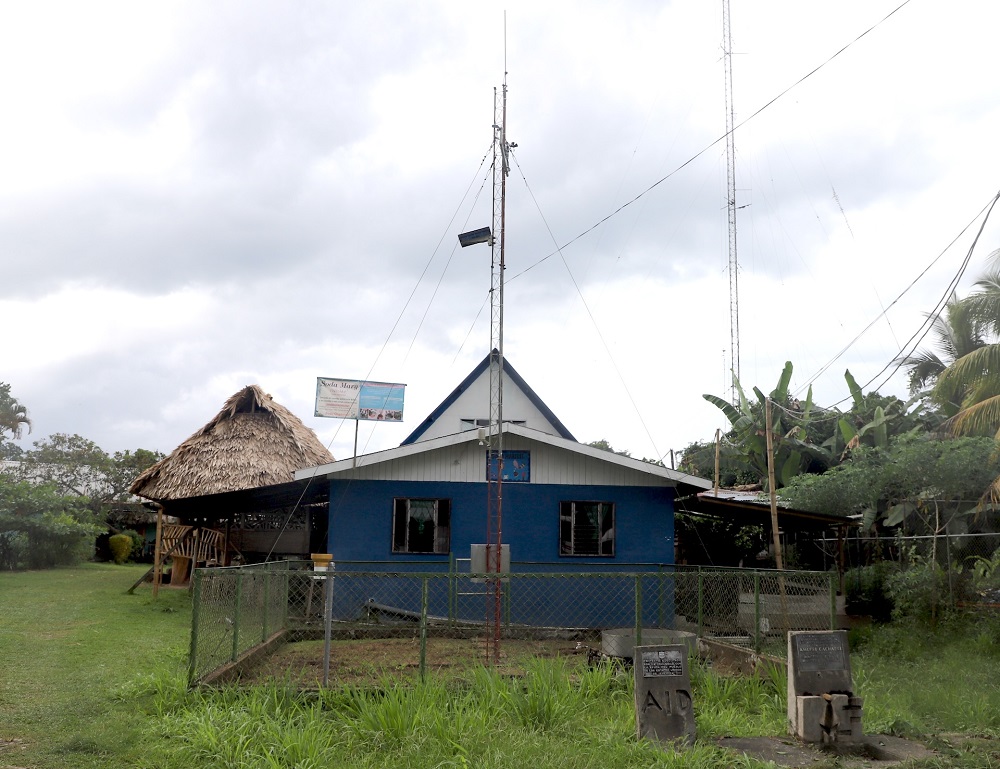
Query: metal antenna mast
x=734 y=266
x=494 y=513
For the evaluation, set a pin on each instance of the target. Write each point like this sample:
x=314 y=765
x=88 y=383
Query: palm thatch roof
x=253 y=442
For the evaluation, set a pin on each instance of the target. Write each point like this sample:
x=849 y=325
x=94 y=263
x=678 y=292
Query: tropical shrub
x=121 y=547
x=919 y=592
x=867 y=590
x=40 y=528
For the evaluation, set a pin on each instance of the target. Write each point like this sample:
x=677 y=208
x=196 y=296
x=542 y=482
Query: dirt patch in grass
x=372 y=659
x=875 y=750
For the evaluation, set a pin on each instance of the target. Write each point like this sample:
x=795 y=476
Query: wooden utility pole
x=769 y=433
x=718 y=439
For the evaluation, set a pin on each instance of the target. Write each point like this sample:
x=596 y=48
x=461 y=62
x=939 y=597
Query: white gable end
x=474 y=404
x=467 y=407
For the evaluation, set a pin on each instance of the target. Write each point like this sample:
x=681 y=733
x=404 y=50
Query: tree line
x=56 y=498
x=930 y=464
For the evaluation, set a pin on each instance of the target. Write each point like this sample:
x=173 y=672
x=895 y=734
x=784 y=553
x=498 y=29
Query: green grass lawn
x=91 y=677
x=71 y=642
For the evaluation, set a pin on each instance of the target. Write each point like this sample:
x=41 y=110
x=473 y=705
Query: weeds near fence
x=738 y=707
x=558 y=713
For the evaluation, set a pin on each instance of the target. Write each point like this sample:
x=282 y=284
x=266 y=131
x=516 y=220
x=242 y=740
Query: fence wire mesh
x=237 y=610
x=947 y=550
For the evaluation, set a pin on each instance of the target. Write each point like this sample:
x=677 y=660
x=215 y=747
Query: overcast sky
x=199 y=196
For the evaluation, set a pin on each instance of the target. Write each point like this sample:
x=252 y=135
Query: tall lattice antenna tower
x=494 y=511
x=494 y=236
x=734 y=265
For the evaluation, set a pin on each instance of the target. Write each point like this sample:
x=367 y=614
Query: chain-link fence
x=947 y=550
x=238 y=611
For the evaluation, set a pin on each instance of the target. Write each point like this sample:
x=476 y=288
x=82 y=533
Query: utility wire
x=701 y=152
x=929 y=321
x=919 y=336
x=385 y=344
x=586 y=306
x=451 y=256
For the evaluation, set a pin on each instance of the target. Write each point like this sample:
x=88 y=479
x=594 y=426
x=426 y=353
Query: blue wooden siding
x=360 y=539
x=361 y=521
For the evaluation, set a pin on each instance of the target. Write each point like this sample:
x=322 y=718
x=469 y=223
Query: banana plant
x=793 y=452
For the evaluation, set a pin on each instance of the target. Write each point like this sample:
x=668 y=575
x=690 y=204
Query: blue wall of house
x=361 y=521
x=360 y=539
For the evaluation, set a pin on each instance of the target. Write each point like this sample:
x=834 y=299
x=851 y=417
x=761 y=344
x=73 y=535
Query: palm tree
x=971 y=383
x=13 y=415
x=958 y=331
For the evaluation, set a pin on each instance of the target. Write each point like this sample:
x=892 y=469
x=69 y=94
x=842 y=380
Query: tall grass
x=738 y=706
x=92 y=678
x=917 y=681
x=559 y=714
x=556 y=715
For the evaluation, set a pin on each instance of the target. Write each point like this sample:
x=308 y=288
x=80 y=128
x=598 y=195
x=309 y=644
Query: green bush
x=867 y=589
x=920 y=592
x=137 y=543
x=40 y=528
x=121 y=547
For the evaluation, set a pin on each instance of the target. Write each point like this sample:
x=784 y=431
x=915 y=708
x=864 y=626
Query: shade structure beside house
x=236 y=473
x=253 y=441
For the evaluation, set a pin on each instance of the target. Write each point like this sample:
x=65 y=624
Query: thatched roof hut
x=252 y=442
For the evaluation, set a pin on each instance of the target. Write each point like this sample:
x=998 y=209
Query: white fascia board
x=344 y=465
x=609 y=456
x=365 y=460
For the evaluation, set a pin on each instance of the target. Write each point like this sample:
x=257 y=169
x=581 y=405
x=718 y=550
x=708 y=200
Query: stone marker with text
x=663 y=707
x=821 y=703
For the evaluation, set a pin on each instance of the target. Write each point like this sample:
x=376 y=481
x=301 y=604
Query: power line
x=586 y=306
x=939 y=307
x=928 y=323
x=705 y=149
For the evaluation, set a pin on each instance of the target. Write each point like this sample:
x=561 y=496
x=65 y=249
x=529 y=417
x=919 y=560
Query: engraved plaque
x=820 y=651
x=656 y=664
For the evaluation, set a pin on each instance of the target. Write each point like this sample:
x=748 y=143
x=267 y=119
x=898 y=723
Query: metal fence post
x=756 y=611
x=286 y=586
x=267 y=604
x=452 y=589
x=327 y=577
x=195 y=616
x=833 y=601
x=701 y=600
x=423 y=630
x=638 y=609
x=237 y=616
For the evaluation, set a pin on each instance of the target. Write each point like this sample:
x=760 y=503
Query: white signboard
x=353 y=399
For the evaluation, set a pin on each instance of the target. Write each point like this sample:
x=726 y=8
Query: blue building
x=567 y=507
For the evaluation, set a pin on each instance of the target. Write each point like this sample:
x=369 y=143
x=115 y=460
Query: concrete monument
x=663 y=706
x=822 y=707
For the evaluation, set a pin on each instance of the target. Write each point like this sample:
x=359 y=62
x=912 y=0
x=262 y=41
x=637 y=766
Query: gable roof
x=253 y=441
x=348 y=466
x=474 y=376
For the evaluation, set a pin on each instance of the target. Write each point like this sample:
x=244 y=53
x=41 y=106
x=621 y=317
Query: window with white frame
x=421 y=525
x=587 y=528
